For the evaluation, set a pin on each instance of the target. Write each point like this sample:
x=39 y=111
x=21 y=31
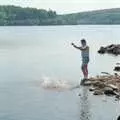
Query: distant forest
x=14 y=15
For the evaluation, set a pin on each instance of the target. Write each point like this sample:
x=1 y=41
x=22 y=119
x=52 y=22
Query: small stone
x=117 y=96
x=117 y=68
x=98 y=84
x=91 y=89
x=102 y=50
x=98 y=92
x=116 y=74
x=87 y=83
x=116 y=99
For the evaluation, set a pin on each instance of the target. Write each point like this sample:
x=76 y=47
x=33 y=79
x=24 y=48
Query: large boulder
x=112 y=49
x=114 y=87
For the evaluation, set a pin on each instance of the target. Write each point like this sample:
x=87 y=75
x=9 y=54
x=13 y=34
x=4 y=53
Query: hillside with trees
x=14 y=15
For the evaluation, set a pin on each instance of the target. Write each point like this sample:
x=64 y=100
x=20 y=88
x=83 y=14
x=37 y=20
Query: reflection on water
x=84 y=105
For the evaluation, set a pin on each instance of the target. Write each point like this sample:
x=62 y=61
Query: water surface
x=30 y=56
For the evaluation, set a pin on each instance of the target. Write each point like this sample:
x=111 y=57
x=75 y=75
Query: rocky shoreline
x=110 y=49
x=105 y=85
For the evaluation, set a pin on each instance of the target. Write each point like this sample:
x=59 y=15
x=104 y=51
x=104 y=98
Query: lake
x=38 y=66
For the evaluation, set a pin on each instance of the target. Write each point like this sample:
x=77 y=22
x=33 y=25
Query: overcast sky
x=65 y=6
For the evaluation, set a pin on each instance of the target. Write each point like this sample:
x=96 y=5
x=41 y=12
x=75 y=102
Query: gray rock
x=102 y=50
x=117 y=96
x=98 y=84
x=112 y=86
x=98 y=92
x=117 y=68
x=112 y=49
x=87 y=83
x=109 y=91
x=92 y=89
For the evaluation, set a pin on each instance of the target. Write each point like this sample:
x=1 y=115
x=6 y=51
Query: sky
x=65 y=6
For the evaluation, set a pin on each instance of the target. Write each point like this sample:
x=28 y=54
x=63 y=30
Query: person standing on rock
x=84 y=48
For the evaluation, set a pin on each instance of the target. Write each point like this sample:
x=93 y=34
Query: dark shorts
x=85 y=60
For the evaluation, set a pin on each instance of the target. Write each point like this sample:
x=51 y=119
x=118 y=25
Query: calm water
x=33 y=59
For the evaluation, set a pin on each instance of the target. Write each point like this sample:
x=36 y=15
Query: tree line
x=15 y=15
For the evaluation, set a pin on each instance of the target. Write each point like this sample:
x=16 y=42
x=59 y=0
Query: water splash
x=56 y=84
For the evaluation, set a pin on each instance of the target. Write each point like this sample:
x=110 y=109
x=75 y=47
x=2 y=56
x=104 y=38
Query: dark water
x=38 y=67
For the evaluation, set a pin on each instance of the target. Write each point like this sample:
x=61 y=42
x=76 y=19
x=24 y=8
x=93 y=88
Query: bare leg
x=86 y=71
x=84 y=74
x=83 y=70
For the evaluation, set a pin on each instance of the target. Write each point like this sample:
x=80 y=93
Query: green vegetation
x=13 y=15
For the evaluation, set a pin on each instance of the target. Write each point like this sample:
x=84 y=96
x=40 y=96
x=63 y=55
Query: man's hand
x=72 y=44
x=75 y=46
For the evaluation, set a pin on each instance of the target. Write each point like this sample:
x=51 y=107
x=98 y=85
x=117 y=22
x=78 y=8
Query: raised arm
x=80 y=48
x=75 y=46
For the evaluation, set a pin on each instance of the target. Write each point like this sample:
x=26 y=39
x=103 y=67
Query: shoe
x=83 y=81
